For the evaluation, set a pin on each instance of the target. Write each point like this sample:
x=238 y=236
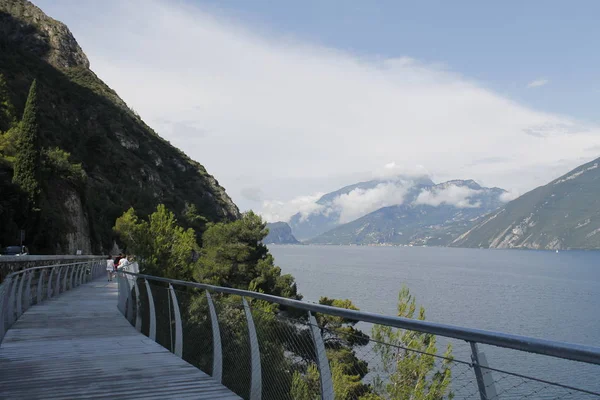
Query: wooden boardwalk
x=78 y=346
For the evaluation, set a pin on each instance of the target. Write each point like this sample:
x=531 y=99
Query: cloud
x=509 y=196
x=538 y=83
x=392 y=169
x=457 y=196
x=280 y=109
x=360 y=202
x=275 y=210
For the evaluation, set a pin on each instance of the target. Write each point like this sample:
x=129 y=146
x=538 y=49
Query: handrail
x=569 y=351
x=48 y=266
x=16 y=296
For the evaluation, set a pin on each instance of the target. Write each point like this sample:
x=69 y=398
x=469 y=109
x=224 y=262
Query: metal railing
x=22 y=289
x=267 y=347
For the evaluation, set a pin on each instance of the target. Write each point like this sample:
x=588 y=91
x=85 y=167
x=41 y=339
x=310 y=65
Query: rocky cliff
x=126 y=163
x=280 y=233
x=564 y=214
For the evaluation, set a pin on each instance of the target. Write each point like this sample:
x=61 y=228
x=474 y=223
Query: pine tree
x=27 y=160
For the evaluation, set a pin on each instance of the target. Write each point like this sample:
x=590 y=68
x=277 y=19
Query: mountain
x=434 y=217
x=564 y=214
x=280 y=233
x=327 y=216
x=96 y=157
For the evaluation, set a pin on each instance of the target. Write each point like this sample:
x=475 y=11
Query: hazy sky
x=283 y=100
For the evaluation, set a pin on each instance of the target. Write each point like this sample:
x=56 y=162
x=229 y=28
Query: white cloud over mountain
x=360 y=202
x=277 y=110
x=453 y=195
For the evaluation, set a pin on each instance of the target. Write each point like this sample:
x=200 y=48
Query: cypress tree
x=27 y=160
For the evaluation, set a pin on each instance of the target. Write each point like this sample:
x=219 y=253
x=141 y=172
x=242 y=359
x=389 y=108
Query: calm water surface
x=534 y=293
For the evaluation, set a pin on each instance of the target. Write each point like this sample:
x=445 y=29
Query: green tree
x=57 y=165
x=340 y=339
x=407 y=358
x=194 y=220
x=27 y=160
x=232 y=255
x=163 y=247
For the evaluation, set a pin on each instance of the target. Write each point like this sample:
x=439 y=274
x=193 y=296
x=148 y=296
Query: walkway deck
x=78 y=345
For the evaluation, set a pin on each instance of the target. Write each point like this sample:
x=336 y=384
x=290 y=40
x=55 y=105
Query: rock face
x=27 y=27
x=127 y=164
x=430 y=215
x=280 y=233
x=564 y=214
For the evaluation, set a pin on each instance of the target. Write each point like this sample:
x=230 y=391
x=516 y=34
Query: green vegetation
x=347 y=370
x=232 y=255
x=96 y=157
x=411 y=374
x=27 y=161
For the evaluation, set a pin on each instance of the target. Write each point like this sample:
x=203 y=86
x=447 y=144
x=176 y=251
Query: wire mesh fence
x=260 y=349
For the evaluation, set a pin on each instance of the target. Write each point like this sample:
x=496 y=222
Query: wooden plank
x=78 y=345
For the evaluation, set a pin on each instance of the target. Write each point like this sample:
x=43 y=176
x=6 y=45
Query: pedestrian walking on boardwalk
x=110 y=267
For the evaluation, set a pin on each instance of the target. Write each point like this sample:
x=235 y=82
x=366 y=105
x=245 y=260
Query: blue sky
x=504 y=44
x=282 y=101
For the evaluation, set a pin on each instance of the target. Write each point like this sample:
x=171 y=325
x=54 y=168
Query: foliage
x=27 y=160
x=407 y=357
x=8 y=145
x=57 y=163
x=126 y=162
x=233 y=255
x=163 y=247
x=347 y=370
x=194 y=220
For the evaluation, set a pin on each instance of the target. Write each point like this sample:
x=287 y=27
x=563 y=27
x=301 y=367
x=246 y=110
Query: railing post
x=40 y=287
x=11 y=301
x=120 y=293
x=65 y=279
x=58 y=280
x=178 y=328
x=152 y=329
x=138 y=314
x=50 y=284
x=80 y=274
x=256 y=373
x=4 y=307
x=129 y=300
x=20 y=296
x=28 y=291
x=485 y=382
x=217 y=369
x=71 y=278
x=322 y=362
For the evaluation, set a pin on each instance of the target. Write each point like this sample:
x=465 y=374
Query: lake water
x=543 y=294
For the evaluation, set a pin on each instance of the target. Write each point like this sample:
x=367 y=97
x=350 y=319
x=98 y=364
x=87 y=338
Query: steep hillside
x=124 y=162
x=280 y=233
x=564 y=214
x=434 y=217
x=328 y=216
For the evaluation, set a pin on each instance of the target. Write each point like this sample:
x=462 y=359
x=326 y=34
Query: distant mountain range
x=430 y=215
x=280 y=233
x=563 y=214
x=328 y=217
